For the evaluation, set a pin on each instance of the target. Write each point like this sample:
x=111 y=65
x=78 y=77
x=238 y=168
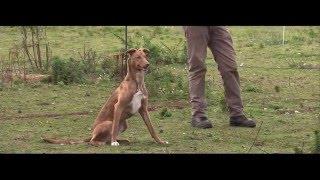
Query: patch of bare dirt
x=305 y=109
x=28 y=116
x=168 y=104
x=152 y=107
x=22 y=138
x=8 y=77
x=31 y=78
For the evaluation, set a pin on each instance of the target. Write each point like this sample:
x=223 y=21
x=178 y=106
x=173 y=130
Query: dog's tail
x=64 y=142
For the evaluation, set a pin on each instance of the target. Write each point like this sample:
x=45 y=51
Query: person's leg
x=222 y=49
x=197 y=42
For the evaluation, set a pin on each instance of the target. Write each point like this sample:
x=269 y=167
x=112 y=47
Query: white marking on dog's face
x=136 y=102
x=115 y=143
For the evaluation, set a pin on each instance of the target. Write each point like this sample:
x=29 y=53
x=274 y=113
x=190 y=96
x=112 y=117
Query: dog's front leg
x=118 y=108
x=146 y=118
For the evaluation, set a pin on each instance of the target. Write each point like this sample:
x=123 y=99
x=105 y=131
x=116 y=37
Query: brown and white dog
x=129 y=98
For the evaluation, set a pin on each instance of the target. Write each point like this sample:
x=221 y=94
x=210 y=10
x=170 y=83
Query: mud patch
x=54 y=115
x=168 y=104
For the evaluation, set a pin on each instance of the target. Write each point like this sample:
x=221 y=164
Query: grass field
x=280 y=88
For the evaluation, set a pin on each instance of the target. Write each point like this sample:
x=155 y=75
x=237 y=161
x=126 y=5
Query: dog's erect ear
x=146 y=51
x=131 y=51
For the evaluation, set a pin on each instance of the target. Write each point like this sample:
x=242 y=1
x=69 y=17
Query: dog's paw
x=164 y=142
x=115 y=143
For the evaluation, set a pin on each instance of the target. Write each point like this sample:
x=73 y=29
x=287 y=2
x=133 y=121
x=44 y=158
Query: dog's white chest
x=136 y=102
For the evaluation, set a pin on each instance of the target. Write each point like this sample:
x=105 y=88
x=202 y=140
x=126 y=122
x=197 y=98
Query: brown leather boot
x=242 y=121
x=201 y=122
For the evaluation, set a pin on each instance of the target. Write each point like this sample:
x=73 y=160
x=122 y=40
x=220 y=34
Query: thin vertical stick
x=38 y=48
x=25 y=45
x=24 y=71
x=33 y=47
x=283 y=31
x=123 y=58
x=1 y=69
x=47 y=57
x=126 y=35
x=255 y=137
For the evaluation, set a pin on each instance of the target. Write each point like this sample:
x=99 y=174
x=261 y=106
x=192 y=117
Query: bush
x=61 y=83
x=163 y=83
x=163 y=75
x=160 y=53
x=67 y=71
x=89 y=60
x=174 y=54
x=47 y=79
x=110 y=67
x=183 y=53
x=155 y=50
x=165 y=113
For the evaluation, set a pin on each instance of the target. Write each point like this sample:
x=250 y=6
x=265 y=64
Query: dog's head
x=138 y=59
